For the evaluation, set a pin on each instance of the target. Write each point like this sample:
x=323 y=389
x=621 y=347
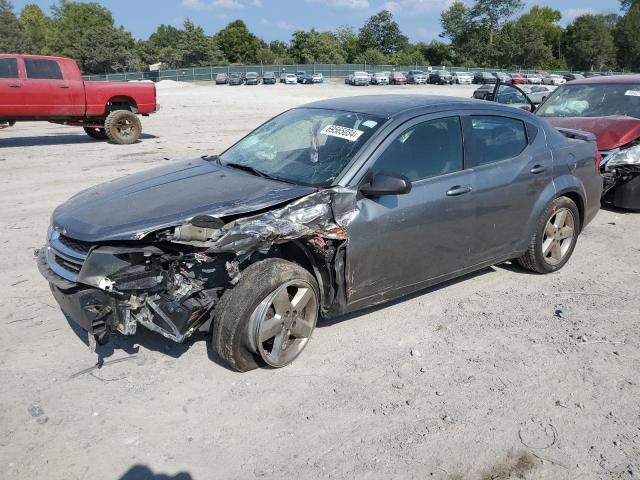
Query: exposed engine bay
x=171 y=280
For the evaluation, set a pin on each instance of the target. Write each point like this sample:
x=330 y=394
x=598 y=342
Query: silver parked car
x=326 y=209
x=380 y=78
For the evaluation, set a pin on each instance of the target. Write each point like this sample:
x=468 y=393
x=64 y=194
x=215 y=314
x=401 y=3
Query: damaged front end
x=621 y=172
x=170 y=280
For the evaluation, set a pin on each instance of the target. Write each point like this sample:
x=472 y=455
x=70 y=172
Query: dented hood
x=132 y=206
x=611 y=132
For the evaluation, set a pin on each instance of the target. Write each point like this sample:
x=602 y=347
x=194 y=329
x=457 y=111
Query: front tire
x=123 y=127
x=268 y=317
x=96 y=133
x=554 y=239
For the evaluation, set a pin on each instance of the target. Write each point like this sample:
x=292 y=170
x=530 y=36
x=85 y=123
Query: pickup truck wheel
x=123 y=127
x=554 y=239
x=268 y=317
x=97 y=133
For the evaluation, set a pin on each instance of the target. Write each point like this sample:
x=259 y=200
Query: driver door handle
x=458 y=190
x=538 y=169
x=64 y=86
x=15 y=85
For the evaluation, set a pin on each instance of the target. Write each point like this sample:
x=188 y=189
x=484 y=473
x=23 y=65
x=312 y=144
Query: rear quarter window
x=42 y=69
x=8 y=68
x=493 y=139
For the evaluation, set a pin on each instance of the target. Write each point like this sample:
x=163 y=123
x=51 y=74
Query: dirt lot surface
x=501 y=374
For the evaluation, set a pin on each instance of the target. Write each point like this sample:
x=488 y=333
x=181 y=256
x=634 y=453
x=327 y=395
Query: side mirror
x=383 y=184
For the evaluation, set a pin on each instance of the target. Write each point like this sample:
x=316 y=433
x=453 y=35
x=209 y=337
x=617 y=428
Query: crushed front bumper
x=92 y=309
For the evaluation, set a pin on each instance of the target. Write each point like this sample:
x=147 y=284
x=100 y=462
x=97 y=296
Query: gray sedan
x=325 y=209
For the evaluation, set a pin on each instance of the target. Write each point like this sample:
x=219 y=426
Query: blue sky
x=277 y=19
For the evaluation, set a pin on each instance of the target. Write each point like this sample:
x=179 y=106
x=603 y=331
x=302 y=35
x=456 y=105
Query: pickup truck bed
x=37 y=88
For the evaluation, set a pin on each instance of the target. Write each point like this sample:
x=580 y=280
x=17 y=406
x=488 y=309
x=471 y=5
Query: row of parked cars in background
x=414 y=77
x=268 y=78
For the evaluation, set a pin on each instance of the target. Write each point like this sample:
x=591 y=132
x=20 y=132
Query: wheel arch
x=121 y=102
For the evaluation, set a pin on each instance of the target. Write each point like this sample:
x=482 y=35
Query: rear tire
x=555 y=237
x=123 y=127
x=243 y=317
x=96 y=133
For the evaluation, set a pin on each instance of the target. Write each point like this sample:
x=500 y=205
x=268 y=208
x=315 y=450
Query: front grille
x=65 y=256
x=76 y=245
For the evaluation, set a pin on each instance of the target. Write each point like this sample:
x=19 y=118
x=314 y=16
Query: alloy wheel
x=559 y=235
x=284 y=322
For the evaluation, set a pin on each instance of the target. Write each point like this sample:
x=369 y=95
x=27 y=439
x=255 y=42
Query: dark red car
x=518 y=79
x=609 y=108
x=397 y=78
x=36 y=88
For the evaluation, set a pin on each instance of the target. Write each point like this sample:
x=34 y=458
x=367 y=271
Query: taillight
x=598 y=160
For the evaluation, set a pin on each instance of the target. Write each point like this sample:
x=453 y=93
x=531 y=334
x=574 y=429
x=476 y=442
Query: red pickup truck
x=52 y=89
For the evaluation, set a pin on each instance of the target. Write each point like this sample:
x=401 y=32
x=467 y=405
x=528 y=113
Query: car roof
x=393 y=105
x=610 y=79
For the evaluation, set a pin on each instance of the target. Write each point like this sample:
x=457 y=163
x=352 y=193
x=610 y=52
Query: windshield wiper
x=249 y=169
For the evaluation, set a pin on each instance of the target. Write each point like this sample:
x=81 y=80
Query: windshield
x=305 y=146
x=595 y=100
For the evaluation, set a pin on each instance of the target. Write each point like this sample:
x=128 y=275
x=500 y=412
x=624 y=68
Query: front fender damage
x=172 y=283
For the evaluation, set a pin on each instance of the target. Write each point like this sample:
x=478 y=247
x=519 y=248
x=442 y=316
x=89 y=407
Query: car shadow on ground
x=57 y=139
x=152 y=341
x=142 y=472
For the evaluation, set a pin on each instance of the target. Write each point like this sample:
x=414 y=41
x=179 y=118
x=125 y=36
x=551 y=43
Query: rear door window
x=42 y=69
x=8 y=68
x=493 y=139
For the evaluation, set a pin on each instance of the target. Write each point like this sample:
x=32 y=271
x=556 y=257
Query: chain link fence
x=197 y=74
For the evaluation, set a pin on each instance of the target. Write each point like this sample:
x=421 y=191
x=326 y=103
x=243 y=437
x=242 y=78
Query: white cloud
x=570 y=14
x=352 y=4
x=416 y=6
x=210 y=5
x=227 y=4
x=193 y=4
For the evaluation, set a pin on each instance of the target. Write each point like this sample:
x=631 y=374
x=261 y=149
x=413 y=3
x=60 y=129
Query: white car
x=533 y=78
x=462 y=78
x=318 y=78
x=554 y=79
x=291 y=79
x=360 y=78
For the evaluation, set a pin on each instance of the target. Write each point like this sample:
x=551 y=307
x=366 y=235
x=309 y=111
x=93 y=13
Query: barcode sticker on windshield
x=633 y=93
x=342 y=132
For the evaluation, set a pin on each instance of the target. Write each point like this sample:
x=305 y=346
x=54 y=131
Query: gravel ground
x=500 y=374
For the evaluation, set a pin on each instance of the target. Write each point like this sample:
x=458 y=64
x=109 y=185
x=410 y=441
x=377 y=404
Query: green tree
x=627 y=39
x=545 y=19
x=589 y=43
x=238 y=44
x=492 y=14
x=437 y=53
x=521 y=44
x=316 y=47
x=372 y=56
x=382 y=33
x=11 y=38
x=410 y=55
x=162 y=46
x=197 y=48
x=34 y=24
x=107 y=50
x=348 y=40
x=626 y=5
x=72 y=21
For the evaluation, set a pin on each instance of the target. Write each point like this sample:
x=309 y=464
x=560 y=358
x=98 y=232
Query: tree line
x=488 y=33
